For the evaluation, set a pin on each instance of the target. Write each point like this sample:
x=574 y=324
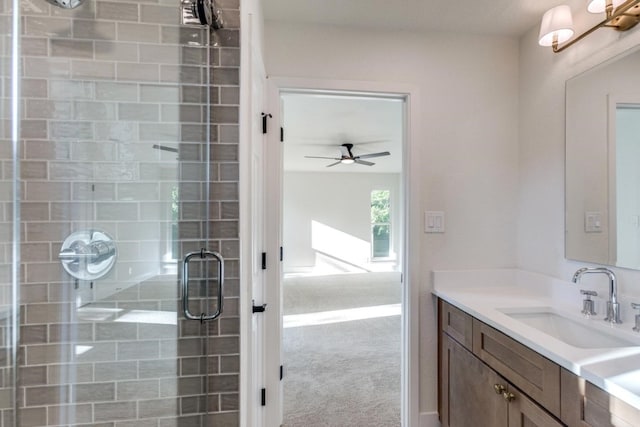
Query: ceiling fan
x=348 y=158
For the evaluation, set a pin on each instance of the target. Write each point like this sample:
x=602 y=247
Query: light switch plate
x=434 y=222
x=593 y=222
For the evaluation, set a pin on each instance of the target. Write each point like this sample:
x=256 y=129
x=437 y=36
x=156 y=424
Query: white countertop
x=483 y=294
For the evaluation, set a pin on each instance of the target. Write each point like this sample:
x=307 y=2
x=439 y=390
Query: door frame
x=251 y=58
x=412 y=206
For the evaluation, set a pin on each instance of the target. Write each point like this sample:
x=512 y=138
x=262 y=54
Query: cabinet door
x=467 y=389
x=529 y=371
x=585 y=405
x=523 y=412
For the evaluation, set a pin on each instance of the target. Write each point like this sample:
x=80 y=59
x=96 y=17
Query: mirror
x=602 y=209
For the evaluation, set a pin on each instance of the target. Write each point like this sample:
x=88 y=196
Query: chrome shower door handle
x=203 y=254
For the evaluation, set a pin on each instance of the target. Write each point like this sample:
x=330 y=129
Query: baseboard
x=429 y=419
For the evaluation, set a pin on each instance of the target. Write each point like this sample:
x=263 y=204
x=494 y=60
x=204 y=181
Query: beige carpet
x=341 y=372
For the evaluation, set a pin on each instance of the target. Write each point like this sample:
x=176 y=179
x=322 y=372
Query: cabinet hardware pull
x=509 y=397
x=499 y=388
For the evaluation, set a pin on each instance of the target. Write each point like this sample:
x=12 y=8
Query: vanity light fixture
x=556 y=27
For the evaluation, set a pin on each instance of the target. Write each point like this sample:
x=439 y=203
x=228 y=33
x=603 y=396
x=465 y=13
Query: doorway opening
x=342 y=233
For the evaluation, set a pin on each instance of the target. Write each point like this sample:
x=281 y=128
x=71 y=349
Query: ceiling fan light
x=347 y=161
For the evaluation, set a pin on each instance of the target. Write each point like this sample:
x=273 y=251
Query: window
x=380 y=224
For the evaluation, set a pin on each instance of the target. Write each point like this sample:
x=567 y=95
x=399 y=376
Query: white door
x=258 y=77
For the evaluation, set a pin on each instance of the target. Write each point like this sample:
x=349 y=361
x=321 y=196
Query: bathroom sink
x=581 y=333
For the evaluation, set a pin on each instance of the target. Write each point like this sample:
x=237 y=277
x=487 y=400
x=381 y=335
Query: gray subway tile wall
x=102 y=85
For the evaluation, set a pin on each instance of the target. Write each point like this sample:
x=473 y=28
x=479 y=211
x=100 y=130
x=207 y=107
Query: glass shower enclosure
x=9 y=211
x=124 y=164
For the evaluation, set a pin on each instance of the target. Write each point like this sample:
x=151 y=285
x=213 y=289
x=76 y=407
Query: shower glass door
x=120 y=182
x=9 y=230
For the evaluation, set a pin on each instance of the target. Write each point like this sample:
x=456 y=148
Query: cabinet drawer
x=532 y=373
x=456 y=323
x=585 y=405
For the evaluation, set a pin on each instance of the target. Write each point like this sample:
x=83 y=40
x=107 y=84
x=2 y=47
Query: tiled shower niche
x=130 y=127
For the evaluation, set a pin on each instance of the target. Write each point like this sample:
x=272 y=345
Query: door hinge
x=258 y=308
x=265 y=116
x=281 y=134
x=281 y=253
x=264 y=260
x=281 y=372
x=263 y=397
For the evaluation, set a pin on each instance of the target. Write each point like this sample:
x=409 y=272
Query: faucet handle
x=636 y=306
x=588 y=308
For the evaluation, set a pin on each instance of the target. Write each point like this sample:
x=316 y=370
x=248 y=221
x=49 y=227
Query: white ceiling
x=318 y=124
x=497 y=17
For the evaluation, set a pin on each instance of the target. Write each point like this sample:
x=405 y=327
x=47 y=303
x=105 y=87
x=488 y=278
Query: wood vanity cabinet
x=585 y=405
x=474 y=395
x=534 y=374
x=471 y=392
x=455 y=323
x=468 y=396
x=486 y=378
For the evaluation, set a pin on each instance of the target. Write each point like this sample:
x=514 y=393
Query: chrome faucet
x=613 y=307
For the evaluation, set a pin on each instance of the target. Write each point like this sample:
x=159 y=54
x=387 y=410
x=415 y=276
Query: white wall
x=468 y=89
x=542 y=144
x=341 y=201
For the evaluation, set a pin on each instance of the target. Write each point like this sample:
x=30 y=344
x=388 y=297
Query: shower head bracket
x=66 y=4
x=201 y=13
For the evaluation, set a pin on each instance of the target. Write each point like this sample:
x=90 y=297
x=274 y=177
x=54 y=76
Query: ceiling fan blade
x=319 y=157
x=370 y=141
x=333 y=164
x=372 y=155
x=363 y=162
